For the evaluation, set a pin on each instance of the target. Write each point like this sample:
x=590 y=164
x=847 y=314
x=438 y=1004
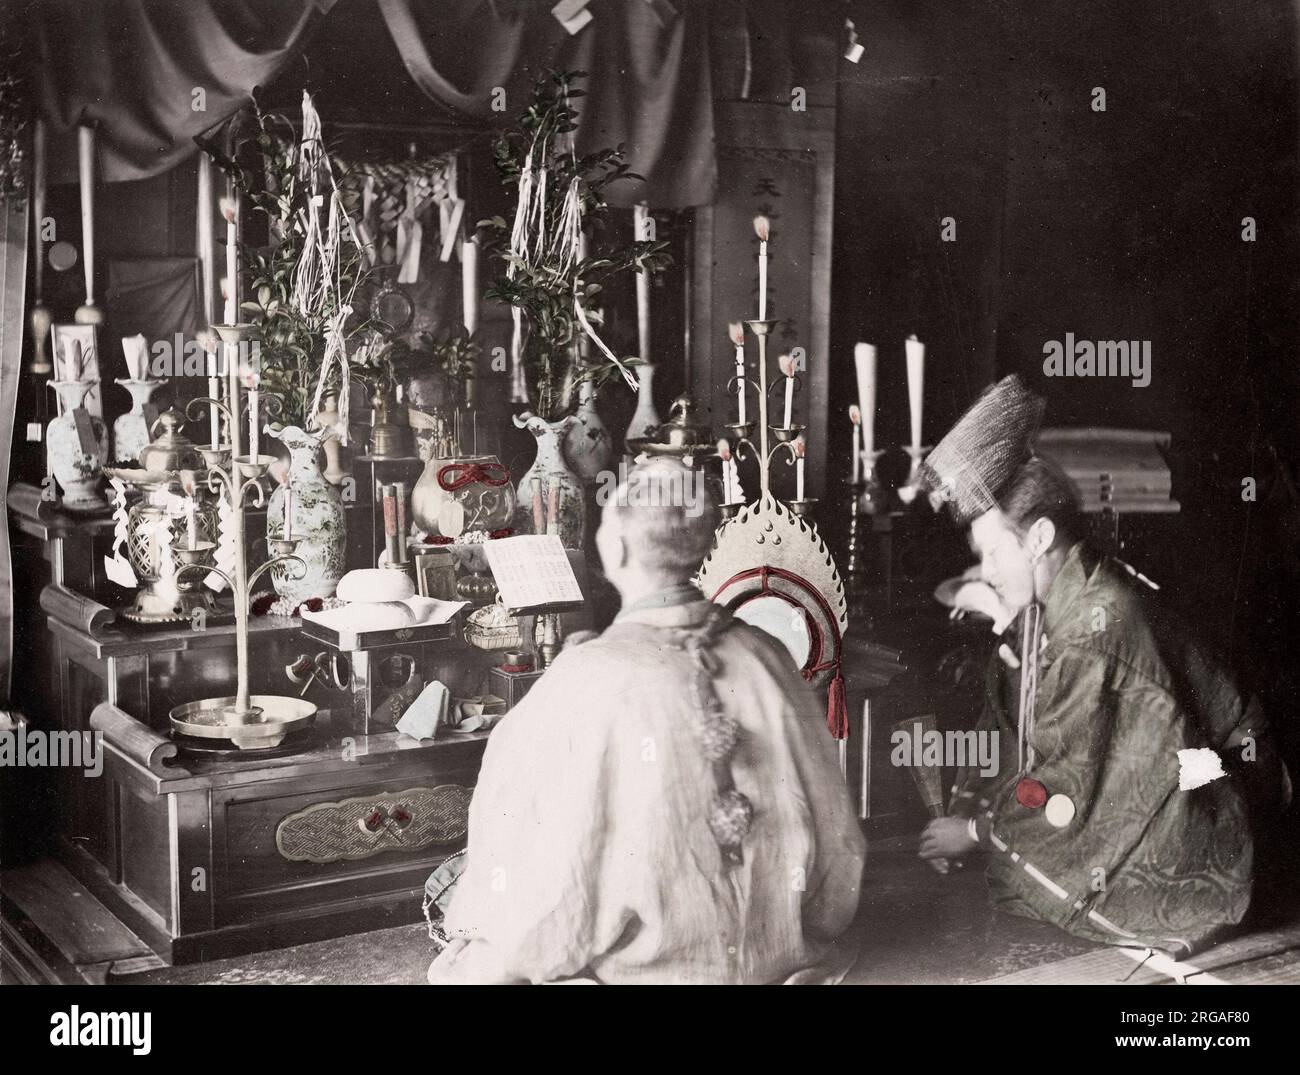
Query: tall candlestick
x=915 y=385
x=855 y=417
x=737 y=333
x=762 y=227
x=864 y=358
x=641 y=230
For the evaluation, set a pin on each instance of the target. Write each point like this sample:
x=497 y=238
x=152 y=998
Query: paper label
x=85 y=432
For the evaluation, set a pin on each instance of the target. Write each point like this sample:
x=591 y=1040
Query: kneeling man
x=1134 y=769
x=665 y=804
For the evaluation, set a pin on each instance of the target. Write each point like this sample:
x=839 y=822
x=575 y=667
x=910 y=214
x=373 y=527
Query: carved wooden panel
x=359 y=827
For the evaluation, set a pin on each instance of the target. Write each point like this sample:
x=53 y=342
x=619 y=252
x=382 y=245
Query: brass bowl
x=271 y=718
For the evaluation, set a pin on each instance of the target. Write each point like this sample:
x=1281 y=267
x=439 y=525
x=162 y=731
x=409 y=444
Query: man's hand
x=945 y=838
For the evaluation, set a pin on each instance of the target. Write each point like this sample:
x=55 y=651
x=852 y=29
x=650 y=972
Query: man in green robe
x=1125 y=804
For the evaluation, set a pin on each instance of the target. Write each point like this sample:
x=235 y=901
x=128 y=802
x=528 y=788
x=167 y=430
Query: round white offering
x=371 y=584
x=1059 y=810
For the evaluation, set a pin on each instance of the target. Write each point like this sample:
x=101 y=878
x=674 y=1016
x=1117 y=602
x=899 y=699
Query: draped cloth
x=648 y=79
x=590 y=852
x=133 y=66
x=1121 y=691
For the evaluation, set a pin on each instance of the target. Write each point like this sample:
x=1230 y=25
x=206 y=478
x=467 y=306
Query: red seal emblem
x=1030 y=793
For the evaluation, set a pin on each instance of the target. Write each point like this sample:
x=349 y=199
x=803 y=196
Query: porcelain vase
x=550 y=490
x=317 y=522
x=131 y=430
x=76 y=470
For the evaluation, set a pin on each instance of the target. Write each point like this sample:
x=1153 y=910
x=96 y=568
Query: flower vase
x=587 y=446
x=645 y=419
x=76 y=469
x=131 y=431
x=550 y=493
x=317 y=522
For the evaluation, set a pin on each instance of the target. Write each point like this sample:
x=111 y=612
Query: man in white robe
x=665 y=805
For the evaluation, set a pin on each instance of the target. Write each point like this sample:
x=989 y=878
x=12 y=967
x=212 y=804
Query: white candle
x=724 y=451
x=737 y=333
x=855 y=418
x=253 y=431
x=641 y=230
x=799 y=449
x=762 y=228
x=232 y=262
x=787 y=367
x=288 y=509
x=469 y=292
x=915 y=385
x=86 y=174
x=214 y=393
x=191 y=523
x=864 y=358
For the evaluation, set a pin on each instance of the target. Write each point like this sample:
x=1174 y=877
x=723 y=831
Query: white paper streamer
x=118 y=566
x=224 y=557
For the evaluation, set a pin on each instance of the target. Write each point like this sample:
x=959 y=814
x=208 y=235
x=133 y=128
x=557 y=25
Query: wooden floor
x=914 y=927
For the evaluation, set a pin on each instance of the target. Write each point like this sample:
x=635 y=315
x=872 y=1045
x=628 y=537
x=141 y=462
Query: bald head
x=657 y=525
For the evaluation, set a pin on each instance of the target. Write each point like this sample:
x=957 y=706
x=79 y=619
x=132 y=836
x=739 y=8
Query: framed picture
x=64 y=340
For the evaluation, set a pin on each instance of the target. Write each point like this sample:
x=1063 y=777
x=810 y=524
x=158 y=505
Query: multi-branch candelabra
x=784 y=435
x=248 y=720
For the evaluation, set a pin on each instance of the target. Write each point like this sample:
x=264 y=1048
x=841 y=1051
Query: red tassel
x=837 y=709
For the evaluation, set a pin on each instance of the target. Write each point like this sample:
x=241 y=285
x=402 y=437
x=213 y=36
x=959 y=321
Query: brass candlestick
x=237 y=479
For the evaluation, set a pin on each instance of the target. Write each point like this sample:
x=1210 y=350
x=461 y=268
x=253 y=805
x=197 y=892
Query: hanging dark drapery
x=135 y=67
x=648 y=84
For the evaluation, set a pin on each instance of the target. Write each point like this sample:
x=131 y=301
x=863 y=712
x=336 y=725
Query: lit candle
x=230 y=210
x=724 y=453
x=288 y=509
x=798 y=467
x=787 y=367
x=855 y=416
x=641 y=231
x=737 y=333
x=191 y=523
x=762 y=228
x=864 y=358
x=915 y=385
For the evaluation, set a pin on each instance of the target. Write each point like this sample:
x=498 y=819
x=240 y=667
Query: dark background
x=1123 y=224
